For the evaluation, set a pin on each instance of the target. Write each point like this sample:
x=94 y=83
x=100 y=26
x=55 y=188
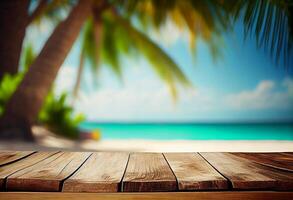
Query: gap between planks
x=8 y=157
x=106 y=172
x=48 y=174
x=245 y=174
x=195 y=173
x=17 y=181
x=176 y=166
x=148 y=172
x=8 y=170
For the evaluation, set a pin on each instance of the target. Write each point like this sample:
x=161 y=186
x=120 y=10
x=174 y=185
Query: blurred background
x=210 y=75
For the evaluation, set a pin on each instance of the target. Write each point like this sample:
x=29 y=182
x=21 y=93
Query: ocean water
x=264 y=131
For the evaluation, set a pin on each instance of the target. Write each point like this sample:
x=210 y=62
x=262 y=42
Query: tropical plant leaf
x=269 y=22
x=161 y=62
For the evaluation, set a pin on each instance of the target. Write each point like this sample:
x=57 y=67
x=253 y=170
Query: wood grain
x=148 y=172
x=7 y=157
x=145 y=172
x=242 y=173
x=282 y=161
x=236 y=195
x=48 y=174
x=9 y=169
x=102 y=172
x=283 y=177
x=245 y=174
x=194 y=173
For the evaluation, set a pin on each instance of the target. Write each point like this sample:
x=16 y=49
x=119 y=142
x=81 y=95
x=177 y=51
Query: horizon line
x=194 y=122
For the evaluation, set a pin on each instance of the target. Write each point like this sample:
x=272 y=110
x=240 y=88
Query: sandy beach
x=190 y=146
x=47 y=141
x=158 y=146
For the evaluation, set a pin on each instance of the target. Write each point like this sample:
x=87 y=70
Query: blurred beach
x=47 y=141
x=192 y=131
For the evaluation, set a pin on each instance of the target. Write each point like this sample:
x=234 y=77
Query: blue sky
x=244 y=84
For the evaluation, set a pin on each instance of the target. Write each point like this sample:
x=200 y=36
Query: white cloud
x=125 y=103
x=138 y=102
x=264 y=96
x=145 y=97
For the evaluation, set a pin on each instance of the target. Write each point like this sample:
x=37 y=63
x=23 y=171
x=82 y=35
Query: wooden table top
x=144 y=172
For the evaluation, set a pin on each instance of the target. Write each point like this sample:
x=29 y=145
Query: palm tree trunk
x=79 y=75
x=23 y=107
x=97 y=36
x=13 y=20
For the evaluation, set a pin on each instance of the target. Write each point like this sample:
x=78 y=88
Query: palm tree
x=110 y=33
x=108 y=36
x=202 y=18
x=18 y=117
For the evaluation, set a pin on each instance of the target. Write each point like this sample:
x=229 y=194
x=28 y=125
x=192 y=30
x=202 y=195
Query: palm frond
x=27 y=57
x=109 y=51
x=269 y=22
x=78 y=79
x=205 y=19
x=161 y=62
x=89 y=47
x=89 y=51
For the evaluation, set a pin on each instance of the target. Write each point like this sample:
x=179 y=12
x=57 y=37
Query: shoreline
x=192 y=145
x=47 y=141
x=155 y=145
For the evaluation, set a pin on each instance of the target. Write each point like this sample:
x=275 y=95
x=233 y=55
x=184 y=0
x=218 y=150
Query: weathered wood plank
x=194 y=173
x=148 y=172
x=9 y=169
x=257 y=195
x=7 y=157
x=282 y=161
x=289 y=153
x=102 y=172
x=245 y=174
x=242 y=173
x=283 y=178
x=48 y=174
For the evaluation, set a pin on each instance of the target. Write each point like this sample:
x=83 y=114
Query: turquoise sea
x=190 y=131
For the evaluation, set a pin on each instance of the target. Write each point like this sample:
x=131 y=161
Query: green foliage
x=122 y=34
x=110 y=51
x=8 y=85
x=269 y=22
x=161 y=62
x=89 y=49
x=204 y=19
x=106 y=40
x=9 y=82
x=58 y=116
x=55 y=114
x=28 y=57
x=120 y=38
